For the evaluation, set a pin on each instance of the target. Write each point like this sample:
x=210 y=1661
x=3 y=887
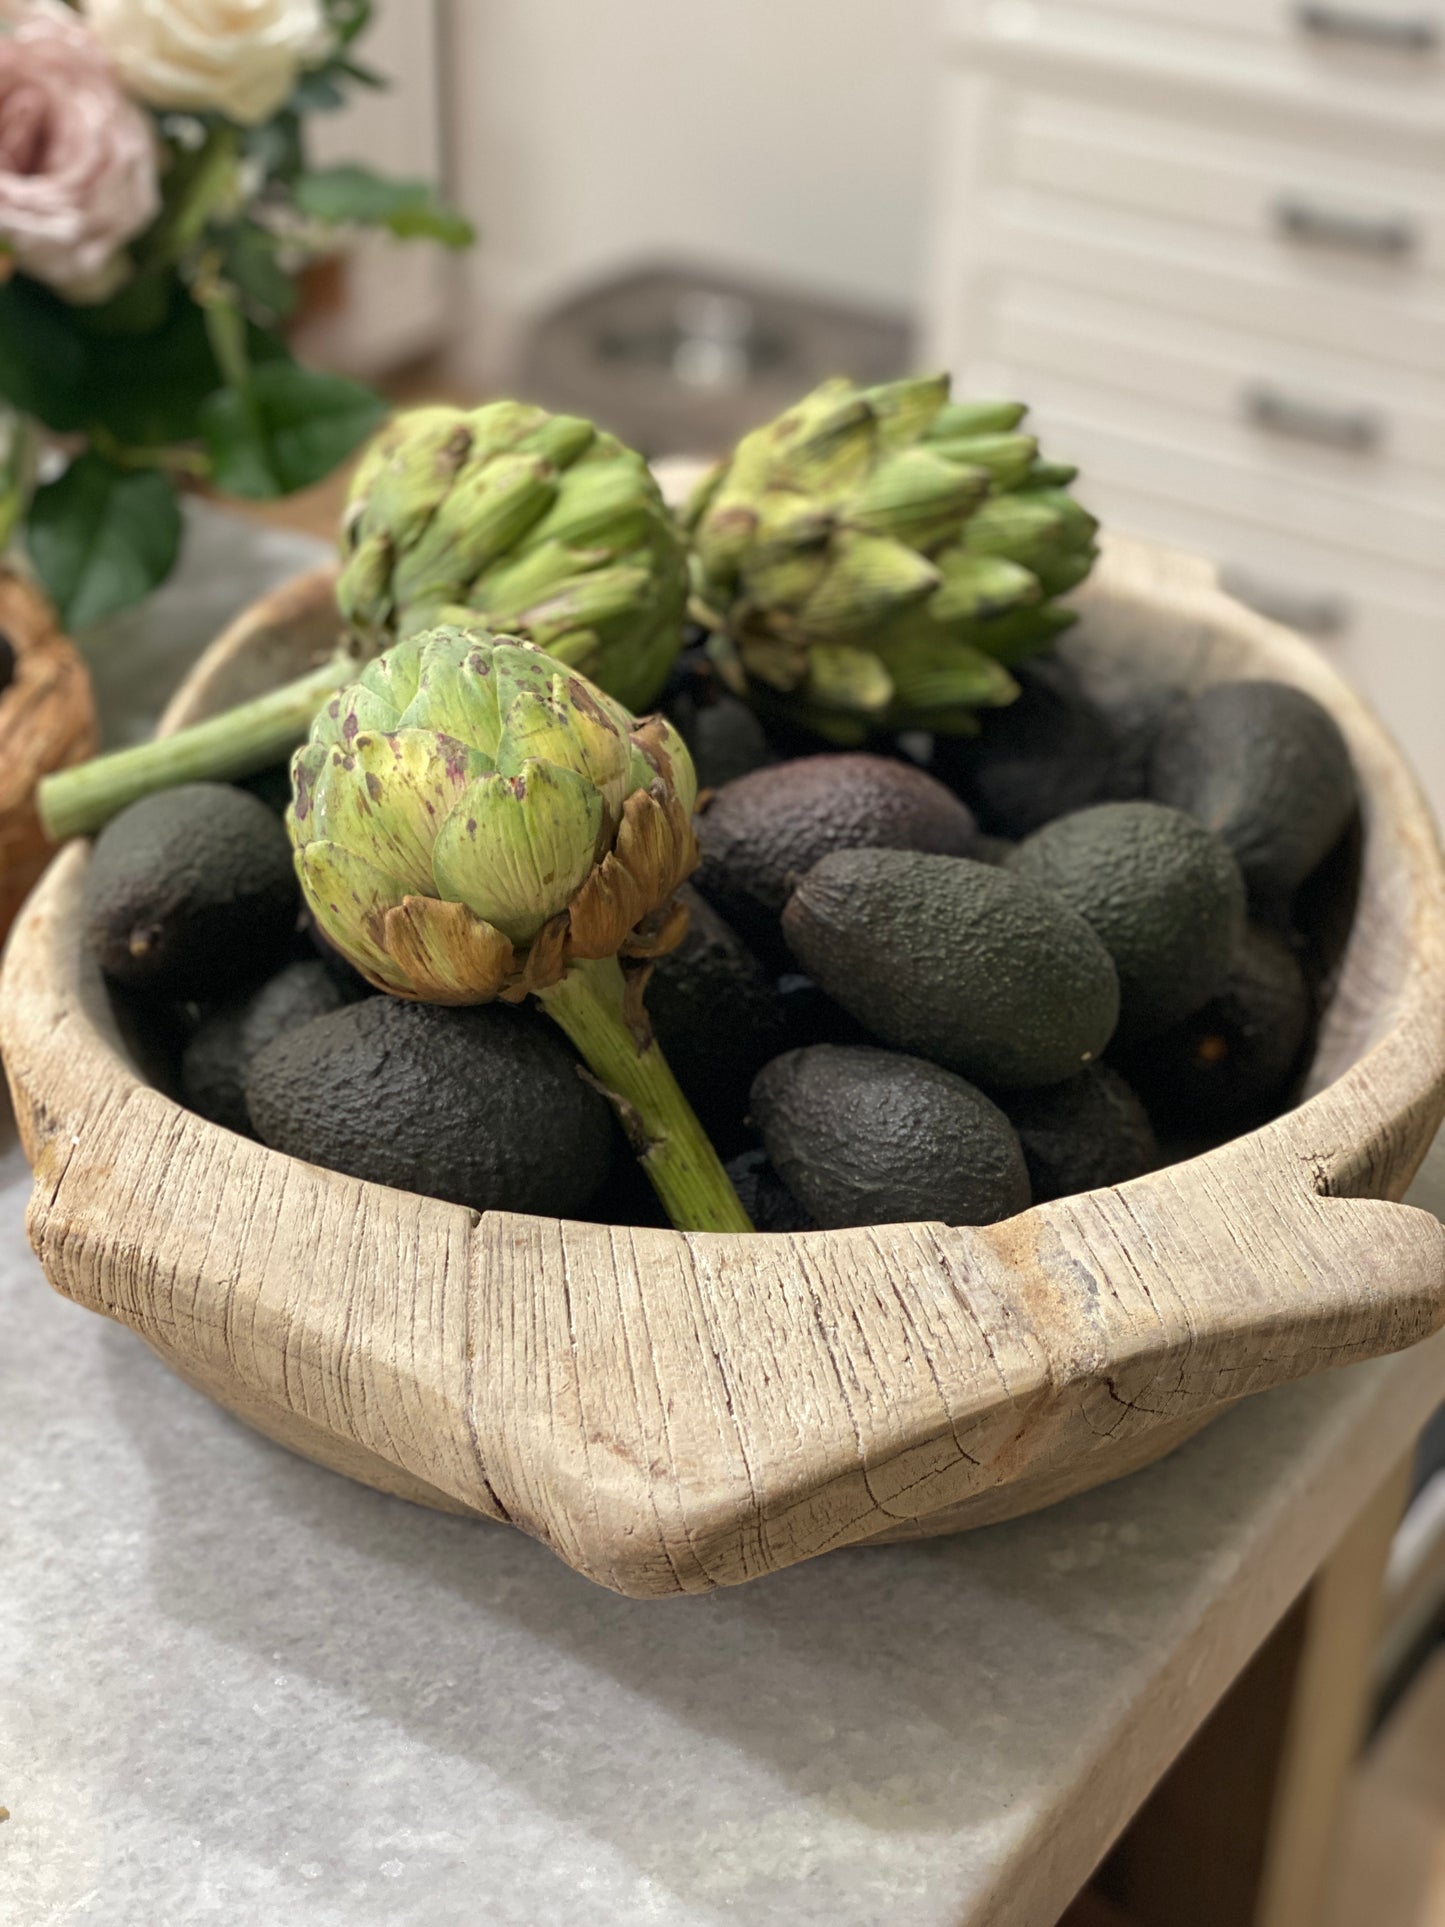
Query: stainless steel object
x=677 y=357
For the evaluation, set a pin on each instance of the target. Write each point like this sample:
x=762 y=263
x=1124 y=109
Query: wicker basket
x=674 y=1412
x=47 y=722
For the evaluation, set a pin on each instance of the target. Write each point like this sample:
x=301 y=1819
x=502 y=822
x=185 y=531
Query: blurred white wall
x=788 y=138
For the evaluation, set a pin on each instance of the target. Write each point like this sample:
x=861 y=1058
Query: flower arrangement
x=156 y=208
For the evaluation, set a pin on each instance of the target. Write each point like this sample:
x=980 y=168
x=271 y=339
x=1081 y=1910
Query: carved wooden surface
x=673 y=1412
x=47 y=722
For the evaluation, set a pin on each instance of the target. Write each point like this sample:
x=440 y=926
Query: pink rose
x=77 y=158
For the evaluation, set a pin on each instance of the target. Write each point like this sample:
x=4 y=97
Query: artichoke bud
x=870 y=579
x=487 y=510
x=891 y=522
x=961 y=418
x=471 y=815
x=503 y=511
x=903 y=410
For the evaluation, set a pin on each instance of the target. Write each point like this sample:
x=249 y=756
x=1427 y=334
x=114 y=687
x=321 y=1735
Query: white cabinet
x=1205 y=239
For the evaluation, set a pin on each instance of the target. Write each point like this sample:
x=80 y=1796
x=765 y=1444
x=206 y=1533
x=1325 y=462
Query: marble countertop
x=236 y=1687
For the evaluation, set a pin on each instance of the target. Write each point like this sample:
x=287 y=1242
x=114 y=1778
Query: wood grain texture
x=674 y=1412
x=47 y=722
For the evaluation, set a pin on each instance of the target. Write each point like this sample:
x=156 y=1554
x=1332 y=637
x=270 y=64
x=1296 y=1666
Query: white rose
x=236 y=57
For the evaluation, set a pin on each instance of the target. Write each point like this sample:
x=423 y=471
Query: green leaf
x=142 y=304
x=43 y=357
x=147 y=389
x=250 y=261
x=277 y=145
x=347 y=19
x=286 y=428
x=408 y=209
x=316 y=93
x=363 y=75
x=101 y=537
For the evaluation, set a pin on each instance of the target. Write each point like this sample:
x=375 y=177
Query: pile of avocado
x=940 y=982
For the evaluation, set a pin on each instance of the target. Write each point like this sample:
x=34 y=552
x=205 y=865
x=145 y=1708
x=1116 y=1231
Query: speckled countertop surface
x=235 y=1687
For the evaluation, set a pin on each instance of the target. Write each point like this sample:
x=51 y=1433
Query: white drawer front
x=1300 y=414
x=1168 y=266
x=1382 y=60
x=1306 y=207
x=1116 y=440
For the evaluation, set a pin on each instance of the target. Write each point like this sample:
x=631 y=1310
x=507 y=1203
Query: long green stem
x=591 y=1005
x=238 y=742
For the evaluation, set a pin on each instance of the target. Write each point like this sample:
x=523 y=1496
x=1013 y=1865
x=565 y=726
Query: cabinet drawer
x=1299 y=413
x=1169 y=266
x=1379 y=60
x=1115 y=439
x=1301 y=206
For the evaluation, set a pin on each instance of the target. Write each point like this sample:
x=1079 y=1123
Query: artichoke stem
x=672 y=1147
x=238 y=742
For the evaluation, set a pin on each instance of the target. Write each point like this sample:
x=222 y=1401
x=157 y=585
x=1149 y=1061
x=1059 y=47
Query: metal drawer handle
x=1358 y=429
x=1417 y=33
x=1312 y=612
x=1385 y=234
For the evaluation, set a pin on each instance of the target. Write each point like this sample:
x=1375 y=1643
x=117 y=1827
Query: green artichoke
x=473 y=820
x=876 y=558
x=532 y=524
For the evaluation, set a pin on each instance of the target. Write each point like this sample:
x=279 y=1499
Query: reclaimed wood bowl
x=674 y=1412
x=47 y=722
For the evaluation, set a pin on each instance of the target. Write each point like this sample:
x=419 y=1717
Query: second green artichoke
x=876 y=558
x=522 y=522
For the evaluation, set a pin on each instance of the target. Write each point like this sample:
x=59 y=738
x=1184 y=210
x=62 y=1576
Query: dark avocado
x=763 y=1195
x=974 y=967
x=1083 y=1134
x=866 y=1136
x=481 y=1106
x=718 y=1018
x=1233 y=1063
x=1266 y=768
x=723 y=736
x=761 y=833
x=213 y=1069
x=1163 y=895
x=1048 y=752
x=191 y=893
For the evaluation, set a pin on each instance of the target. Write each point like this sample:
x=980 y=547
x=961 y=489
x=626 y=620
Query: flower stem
x=238 y=742
x=591 y=1004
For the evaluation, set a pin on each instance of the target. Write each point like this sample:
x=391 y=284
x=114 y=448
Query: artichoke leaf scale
x=516 y=849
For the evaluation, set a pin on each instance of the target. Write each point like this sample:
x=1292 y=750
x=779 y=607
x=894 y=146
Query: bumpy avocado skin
x=866 y=1136
x=761 y=833
x=1234 y=1062
x=1266 y=768
x=971 y=966
x=480 y=1106
x=1050 y=751
x=1163 y=895
x=1081 y=1135
x=191 y=893
x=213 y=1069
x=718 y=1018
